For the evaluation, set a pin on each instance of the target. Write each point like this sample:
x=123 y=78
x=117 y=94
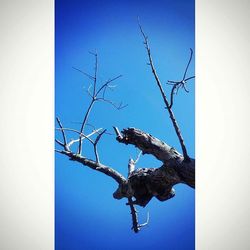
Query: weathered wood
x=145 y=183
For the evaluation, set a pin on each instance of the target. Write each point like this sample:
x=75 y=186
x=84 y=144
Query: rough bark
x=145 y=183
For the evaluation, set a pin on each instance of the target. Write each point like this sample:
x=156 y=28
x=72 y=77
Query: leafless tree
x=142 y=183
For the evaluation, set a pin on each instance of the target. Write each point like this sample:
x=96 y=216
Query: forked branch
x=158 y=82
x=96 y=95
x=176 y=85
x=96 y=165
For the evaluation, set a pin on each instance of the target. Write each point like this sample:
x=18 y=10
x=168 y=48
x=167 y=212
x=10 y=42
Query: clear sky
x=87 y=216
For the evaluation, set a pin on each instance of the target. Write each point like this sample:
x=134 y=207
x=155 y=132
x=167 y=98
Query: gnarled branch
x=149 y=144
x=173 y=162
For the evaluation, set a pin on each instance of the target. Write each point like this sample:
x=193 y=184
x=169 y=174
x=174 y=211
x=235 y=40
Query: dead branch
x=95 y=145
x=95 y=166
x=63 y=134
x=84 y=123
x=84 y=73
x=158 y=82
x=136 y=226
x=149 y=145
x=59 y=142
x=142 y=183
x=84 y=137
x=118 y=107
x=95 y=98
x=183 y=171
x=180 y=84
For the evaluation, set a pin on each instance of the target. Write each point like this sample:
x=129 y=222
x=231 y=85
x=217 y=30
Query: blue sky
x=87 y=216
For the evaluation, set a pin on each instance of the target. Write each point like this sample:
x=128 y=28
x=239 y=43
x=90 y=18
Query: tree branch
x=85 y=137
x=132 y=162
x=95 y=145
x=63 y=134
x=190 y=59
x=94 y=98
x=174 y=122
x=84 y=73
x=135 y=225
x=95 y=166
x=78 y=132
x=170 y=157
x=142 y=183
x=149 y=145
x=106 y=84
x=182 y=83
x=84 y=123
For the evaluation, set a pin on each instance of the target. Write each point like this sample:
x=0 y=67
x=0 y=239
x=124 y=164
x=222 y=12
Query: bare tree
x=143 y=183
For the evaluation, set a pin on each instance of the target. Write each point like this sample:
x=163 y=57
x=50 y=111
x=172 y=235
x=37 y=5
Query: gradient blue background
x=86 y=215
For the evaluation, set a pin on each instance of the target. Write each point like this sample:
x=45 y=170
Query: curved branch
x=172 y=96
x=95 y=166
x=63 y=134
x=84 y=123
x=189 y=61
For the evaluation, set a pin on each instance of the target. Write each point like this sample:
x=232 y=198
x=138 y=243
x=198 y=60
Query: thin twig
x=132 y=162
x=138 y=157
x=146 y=223
x=94 y=165
x=63 y=133
x=107 y=83
x=88 y=91
x=95 y=145
x=76 y=131
x=118 y=107
x=84 y=123
x=85 y=137
x=59 y=142
x=172 y=95
x=95 y=77
x=177 y=84
x=189 y=78
x=190 y=58
x=118 y=133
x=84 y=73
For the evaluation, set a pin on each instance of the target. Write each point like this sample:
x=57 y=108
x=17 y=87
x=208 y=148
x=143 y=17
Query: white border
x=222 y=124
x=26 y=127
